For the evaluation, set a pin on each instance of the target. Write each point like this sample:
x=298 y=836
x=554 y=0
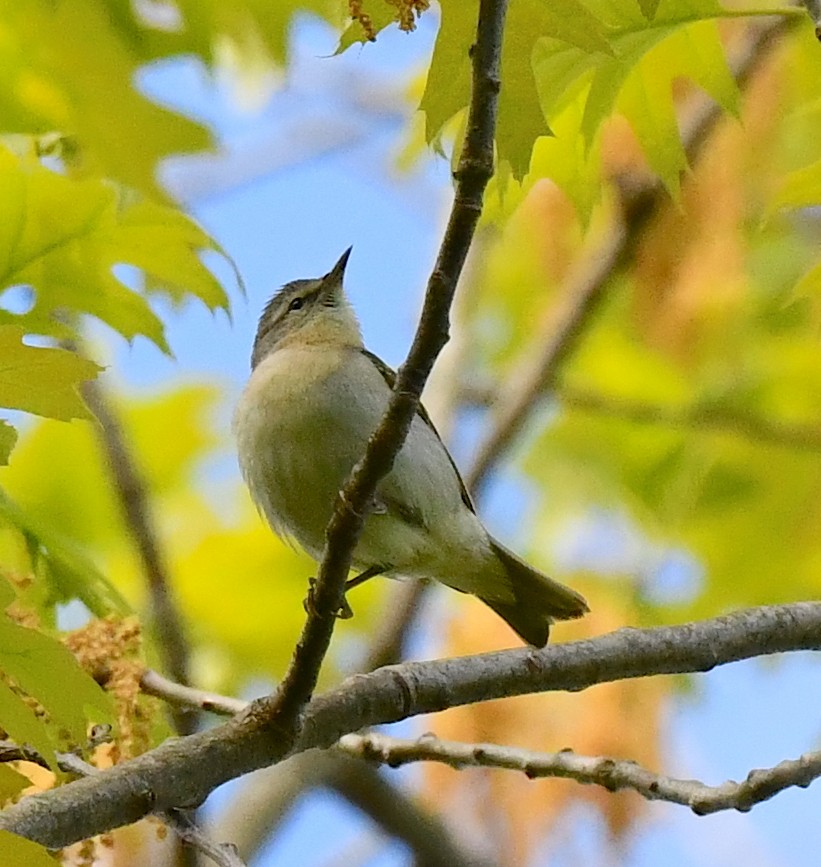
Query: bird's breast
x=285 y=429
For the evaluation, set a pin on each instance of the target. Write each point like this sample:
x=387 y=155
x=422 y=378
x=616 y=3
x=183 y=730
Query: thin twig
x=612 y=774
x=182 y=696
x=471 y=177
x=129 y=487
x=585 y=287
x=222 y=854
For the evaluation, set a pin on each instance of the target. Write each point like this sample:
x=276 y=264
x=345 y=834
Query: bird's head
x=308 y=312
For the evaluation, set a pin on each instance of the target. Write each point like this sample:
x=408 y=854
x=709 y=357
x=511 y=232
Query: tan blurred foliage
x=623 y=719
x=690 y=275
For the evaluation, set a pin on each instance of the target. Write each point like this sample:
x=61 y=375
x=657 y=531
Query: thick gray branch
x=183 y=771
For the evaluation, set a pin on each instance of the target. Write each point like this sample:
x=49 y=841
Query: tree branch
x=471 y=177
x=612 y=774
x=180 y=695
x=399 y=815
x=189 y=833
x=129 y=488
x=182 y=772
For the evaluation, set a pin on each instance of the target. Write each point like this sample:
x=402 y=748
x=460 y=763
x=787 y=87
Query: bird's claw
x=344 y=612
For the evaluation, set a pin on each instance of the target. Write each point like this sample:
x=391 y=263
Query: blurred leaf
x=649 y=8
x=64 y=236
x=19 y=851
x=70 y=573
x=809 y=286
x=800 y=188
x=381 y=14
x=42 y=380
x=8 y=437
x=11 y=784
x=71 y=68
x=22 y=725
x=48 y=672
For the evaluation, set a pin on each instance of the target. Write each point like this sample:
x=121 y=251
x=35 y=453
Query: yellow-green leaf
x=63 y=237
x=11 y=784
x=381 y=14
x=8 y=437
x=19 y=851
x=47 y=671
x=70 y=572
x=72 y=68
x=22 y=724
x=42 y=380
x=801 y=188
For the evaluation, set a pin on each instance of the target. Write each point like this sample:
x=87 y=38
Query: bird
x=314 y=396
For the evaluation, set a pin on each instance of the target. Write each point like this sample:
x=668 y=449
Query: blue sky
x=283 y=216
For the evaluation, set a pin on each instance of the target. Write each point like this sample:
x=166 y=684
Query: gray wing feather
x=389 y=376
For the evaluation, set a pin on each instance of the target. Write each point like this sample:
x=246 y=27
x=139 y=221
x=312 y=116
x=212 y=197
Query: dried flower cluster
x=407 y=12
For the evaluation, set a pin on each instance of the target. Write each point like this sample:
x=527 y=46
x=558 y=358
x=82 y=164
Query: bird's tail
x=539 y=600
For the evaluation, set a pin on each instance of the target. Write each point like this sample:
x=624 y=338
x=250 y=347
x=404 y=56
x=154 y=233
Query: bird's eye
x=296 y=304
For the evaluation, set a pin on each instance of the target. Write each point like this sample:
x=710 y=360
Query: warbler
x=314 y=397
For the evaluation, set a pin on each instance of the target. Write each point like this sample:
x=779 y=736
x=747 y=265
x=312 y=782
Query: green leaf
x=8 y=437
x=22 y=852
x=800 y=189
x=447 y=89
x=22 y=724
x=152 y=236
x=520 y=120
x=47 y=671
x=70 y=571
x=63 y=237
x=11 y=784
x=42 y=380
x=72 y=68
x=649 y=8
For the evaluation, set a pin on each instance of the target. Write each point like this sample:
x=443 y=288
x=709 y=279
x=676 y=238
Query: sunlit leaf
x=800 y=188
x=19 y=850
x=380 y=15
x=47 y=671
x=8 y=437
x=42 y=380
x=69 y=571
x=64 y=236
x=72 y=68
x=11 y=784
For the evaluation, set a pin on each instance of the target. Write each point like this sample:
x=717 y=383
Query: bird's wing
x=389 y=376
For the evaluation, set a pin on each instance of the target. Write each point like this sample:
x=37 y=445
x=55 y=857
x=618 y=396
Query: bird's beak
x=335 y=275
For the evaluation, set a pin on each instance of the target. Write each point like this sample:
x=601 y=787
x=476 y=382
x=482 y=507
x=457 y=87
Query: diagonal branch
x=182 y=772
x=471 y=177
x=129 y=488
x=612 y=774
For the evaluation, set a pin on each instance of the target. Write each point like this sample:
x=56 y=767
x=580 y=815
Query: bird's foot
x=344 y=612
